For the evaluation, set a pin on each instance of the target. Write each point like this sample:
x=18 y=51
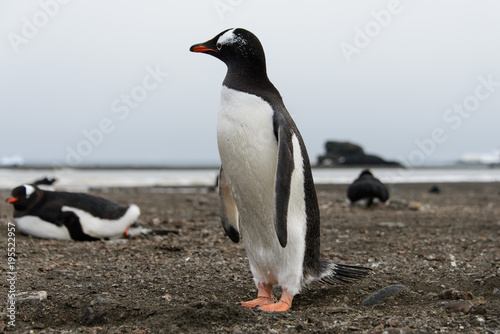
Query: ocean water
x=75 y=179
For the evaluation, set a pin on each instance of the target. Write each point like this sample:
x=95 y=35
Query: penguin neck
x=38 y=197
x=251 y=78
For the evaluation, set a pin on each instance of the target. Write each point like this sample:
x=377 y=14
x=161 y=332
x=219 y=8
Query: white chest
x=247 y=145
x=32 y=225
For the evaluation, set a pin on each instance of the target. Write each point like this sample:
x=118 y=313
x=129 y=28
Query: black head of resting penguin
x=368 y=187
x=266 y=189
x=66 y=216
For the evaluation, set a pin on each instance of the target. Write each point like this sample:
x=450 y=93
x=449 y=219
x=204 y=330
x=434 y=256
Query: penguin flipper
x=72 y=223
x=228 y=209
x=283 y=179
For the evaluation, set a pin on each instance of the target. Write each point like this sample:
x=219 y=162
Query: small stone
x=456 y=294
x=496 y=291
x=339 y=310
x=90 y=310
x=299 y=328
x=382 y=294
x=38 y=295
x=236 y=330
x=391 y=224
x=397 y=204
x=460 y=306
x=100 y=300
x=415 y=206
x=392 y=330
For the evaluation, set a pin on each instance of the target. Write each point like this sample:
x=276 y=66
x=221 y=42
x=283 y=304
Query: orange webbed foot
x=264 y=297
x=283 y=305
x=257 y=302
x=126 y=234
x=276 y=307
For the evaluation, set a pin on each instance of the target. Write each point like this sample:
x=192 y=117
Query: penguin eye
x=218 y=46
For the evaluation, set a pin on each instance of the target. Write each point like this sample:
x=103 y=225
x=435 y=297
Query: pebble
x=237 y=330
x=496 y=291
x=392 y=330
x=90 y=310
x=391 y=224
x=397 y=204
x=382 y=294
x=38 y=295
x=415 y=206
x=460 y=306
x=456 y=294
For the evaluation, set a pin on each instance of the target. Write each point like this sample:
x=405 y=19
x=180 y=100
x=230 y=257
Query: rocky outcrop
x=348 y=154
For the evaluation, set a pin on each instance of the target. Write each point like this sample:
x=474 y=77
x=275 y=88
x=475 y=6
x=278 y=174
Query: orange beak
x=12 y=200
x=200 y=48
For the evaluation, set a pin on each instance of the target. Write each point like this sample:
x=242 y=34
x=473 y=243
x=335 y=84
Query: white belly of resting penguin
x=266 y=189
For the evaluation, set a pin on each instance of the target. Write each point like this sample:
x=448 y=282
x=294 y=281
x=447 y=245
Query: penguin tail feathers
x=332 y=273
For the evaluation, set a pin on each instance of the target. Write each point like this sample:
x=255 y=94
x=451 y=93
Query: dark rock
x=349 y=154
x=382 y=294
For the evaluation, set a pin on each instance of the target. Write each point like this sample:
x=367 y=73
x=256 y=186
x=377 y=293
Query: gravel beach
x=443 y=249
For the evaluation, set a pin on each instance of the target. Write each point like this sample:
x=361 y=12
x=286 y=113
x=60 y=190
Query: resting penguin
x=266 y=189
x=66 y=216
x=366 y=186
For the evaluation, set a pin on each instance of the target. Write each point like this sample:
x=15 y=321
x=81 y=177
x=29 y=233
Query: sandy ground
x=190 y=282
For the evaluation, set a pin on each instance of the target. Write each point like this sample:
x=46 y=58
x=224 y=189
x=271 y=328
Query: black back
x=47 y=204
x=366 y=186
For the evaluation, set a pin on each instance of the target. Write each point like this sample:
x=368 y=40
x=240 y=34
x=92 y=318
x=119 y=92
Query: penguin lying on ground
x=366 y=186
x=66 y=216
x=266 y=189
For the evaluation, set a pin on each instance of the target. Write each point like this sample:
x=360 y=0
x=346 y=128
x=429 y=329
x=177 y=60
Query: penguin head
x=24 y=196
x=236 y=47
x=366 y=173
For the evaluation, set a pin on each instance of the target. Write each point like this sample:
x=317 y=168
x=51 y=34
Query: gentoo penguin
x=66 y=216
x=366 y=186
x=266 y=189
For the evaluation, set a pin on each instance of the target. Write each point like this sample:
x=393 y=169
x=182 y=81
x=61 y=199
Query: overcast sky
x=111 y=82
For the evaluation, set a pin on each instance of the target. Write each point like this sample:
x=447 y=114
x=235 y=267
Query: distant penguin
x=435 y=189
x=66 y=216
x=266 y=191
x=366 y=186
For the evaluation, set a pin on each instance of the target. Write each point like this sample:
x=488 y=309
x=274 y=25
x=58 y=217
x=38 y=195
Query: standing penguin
x=65 y=216
x=368 y=187
x=266 y=189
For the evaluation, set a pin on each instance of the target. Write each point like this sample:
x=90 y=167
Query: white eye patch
x=29 y=190
x=230 y=38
